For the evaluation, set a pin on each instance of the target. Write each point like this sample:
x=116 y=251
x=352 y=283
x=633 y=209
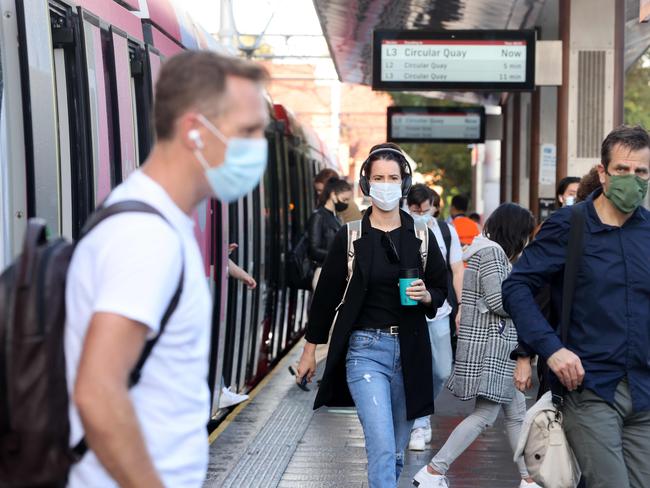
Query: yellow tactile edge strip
x=281 y=366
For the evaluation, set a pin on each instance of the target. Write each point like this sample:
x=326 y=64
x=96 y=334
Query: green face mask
x=626 y=192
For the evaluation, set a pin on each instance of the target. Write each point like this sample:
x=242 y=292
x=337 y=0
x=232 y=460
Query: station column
x=590 y=100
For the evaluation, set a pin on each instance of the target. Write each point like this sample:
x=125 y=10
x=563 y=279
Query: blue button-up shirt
x=610 y=316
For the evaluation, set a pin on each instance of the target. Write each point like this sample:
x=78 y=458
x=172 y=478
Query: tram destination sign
x=436 y=124
x=453 y=60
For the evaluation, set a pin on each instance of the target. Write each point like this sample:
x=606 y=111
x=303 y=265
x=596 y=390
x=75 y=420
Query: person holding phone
x=483 y=370
x=379 y=358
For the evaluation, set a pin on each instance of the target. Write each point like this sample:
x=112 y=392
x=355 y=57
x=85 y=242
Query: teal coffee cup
x=406 y=277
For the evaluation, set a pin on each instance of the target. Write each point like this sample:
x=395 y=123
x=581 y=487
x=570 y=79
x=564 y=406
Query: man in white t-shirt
x=210 y=142
x=424 y=205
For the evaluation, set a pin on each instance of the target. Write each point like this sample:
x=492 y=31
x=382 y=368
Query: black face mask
x=340 y=206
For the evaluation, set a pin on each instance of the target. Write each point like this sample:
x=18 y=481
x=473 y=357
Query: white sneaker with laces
x=424 y=479
x=526 y=484
x=228 y=398
x=416 y=443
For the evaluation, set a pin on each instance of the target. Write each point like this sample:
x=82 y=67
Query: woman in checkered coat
x=483 y=368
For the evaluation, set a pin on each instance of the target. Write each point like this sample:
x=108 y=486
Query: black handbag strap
x=571 y=268
x=95 y=219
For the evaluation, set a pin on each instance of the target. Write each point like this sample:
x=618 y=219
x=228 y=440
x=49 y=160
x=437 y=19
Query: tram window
x=5 y=244
x=112 y=111
x=296 y=201
x=141 y=102
x=65 y=173
x=3 y=141
x=123 y=104
x=75 y=192
x=100 y=124
x=2 y=90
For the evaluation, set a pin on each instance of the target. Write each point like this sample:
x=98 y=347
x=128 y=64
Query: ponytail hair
x=334 y=185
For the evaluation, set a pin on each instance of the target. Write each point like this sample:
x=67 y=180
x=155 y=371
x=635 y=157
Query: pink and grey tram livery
x=76 y=90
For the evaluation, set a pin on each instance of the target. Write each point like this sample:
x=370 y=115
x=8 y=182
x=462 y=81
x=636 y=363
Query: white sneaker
x=416 y=443
x=424 y=479
x=525 y=484
x=427 y=435
x=229 y=398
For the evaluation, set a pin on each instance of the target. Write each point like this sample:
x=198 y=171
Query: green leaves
x=637 y=93
x=444 y=165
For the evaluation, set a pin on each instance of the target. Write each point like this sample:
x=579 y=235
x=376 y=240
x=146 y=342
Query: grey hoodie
x=479 y=243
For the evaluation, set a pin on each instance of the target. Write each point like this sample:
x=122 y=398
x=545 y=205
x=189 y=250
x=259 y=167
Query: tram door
x=85 y=107
x=220 y=230
x=56 y=143
x=258 y=266
x=295 y=230
x=274 y=193
x=234 y=301
x=283 y=185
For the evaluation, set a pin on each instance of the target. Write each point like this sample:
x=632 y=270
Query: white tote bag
x=549 y=458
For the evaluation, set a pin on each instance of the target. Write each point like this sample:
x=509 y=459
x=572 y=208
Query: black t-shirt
x=381 y=306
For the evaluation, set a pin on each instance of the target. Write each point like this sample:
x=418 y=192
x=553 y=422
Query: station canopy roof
x=348 y=26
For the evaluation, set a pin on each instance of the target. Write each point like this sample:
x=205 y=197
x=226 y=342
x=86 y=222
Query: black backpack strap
x=128 y=206
x=571 y=268
x=95 y=219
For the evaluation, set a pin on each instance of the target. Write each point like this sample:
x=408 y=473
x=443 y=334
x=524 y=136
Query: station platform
x=275 y=439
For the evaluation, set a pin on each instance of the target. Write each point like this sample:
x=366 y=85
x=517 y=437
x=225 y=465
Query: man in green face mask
x=604 y=364
x=625 y=180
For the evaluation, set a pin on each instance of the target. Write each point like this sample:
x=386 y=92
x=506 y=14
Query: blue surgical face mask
x=243 y=166
x=422 y=219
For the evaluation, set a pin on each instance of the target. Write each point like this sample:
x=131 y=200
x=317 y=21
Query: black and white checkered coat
x=487 y=336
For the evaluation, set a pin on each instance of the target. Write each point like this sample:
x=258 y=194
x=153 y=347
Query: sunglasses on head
x=389 y=246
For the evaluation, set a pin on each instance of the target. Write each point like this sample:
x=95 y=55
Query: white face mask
x=568 y=201
x=386 y=196
x=423 y=219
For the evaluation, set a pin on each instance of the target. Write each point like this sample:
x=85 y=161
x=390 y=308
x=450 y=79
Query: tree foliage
x=444 y=165
x=637 y=93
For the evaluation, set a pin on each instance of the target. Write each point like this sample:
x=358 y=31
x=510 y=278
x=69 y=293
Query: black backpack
x=300 y=268
x=34 y=424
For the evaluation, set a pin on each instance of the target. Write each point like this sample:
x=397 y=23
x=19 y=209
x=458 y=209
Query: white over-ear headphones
x=196 y=137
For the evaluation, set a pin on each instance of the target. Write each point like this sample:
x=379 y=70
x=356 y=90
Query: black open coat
x=413 y=332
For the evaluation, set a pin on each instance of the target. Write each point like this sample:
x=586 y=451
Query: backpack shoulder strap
x=446 y=237
x=131 y=206
x=354 y=233
x=95 y=219
x=127 y=206
x=422 y=233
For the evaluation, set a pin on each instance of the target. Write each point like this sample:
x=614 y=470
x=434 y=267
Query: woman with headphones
x=379 y=358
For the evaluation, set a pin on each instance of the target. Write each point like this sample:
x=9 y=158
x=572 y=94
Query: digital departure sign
x=453 y=60
x=436 y=124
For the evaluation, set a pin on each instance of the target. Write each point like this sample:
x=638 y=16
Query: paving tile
x=328 y=451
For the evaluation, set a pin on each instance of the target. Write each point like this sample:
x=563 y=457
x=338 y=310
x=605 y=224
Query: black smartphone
x=303 y=382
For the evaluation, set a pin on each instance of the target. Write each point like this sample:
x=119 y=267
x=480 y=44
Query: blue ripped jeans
x=374 y=376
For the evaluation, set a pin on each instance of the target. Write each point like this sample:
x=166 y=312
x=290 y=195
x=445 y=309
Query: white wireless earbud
x=196 y=137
